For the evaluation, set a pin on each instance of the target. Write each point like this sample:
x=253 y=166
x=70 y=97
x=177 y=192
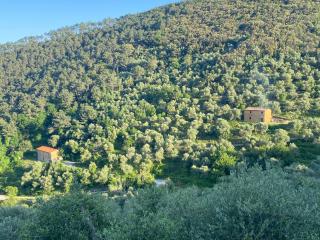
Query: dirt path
x=3 y=197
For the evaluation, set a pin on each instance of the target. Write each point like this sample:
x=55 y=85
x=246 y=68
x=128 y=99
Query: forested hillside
x=127 y=97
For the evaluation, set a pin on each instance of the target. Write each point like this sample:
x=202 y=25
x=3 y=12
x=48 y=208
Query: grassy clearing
x=19 y=200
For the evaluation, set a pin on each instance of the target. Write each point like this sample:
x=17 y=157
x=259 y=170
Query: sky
x=23 y=18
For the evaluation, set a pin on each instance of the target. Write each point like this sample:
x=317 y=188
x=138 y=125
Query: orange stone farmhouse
x=256 y=114
x=47 y=154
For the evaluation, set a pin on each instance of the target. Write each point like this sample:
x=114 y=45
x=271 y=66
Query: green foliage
x=129 y=94
x=258 y=205
x=13 y=221
x=281 y=137
x=89 y=216
x=46 y=178
x=250 y=205
x=11 y=191
x=225 y=163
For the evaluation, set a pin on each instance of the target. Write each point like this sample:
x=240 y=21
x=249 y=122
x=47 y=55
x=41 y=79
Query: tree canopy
x=123 y=96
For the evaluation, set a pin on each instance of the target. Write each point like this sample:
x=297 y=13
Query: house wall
x=43 y=156
x=258 y=116
x=254 y=116
x=54 y=156
x=47 y=157
x=268 y=116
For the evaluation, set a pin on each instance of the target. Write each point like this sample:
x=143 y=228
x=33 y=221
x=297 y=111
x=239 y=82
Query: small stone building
x=47 y=154
x=257 y=114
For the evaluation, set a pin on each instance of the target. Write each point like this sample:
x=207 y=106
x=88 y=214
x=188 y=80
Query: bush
x=256 y=205
x=11 y=191
x=73 y=216
x=13 y=220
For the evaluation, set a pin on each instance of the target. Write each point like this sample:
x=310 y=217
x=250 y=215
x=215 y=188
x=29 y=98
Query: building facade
x=254 y=114
x=47 y=154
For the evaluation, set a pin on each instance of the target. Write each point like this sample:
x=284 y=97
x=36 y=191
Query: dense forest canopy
x=124 y=97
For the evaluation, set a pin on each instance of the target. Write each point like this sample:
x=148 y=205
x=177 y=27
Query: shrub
x=11 y=191
x=255 y=205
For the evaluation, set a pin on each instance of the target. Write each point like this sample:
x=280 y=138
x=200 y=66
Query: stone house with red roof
x=47 y=154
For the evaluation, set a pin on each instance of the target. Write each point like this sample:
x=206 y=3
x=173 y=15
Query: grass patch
x=18 y=200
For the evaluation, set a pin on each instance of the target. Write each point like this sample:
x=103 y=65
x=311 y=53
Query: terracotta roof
x=47 y=149
x=256 y=109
